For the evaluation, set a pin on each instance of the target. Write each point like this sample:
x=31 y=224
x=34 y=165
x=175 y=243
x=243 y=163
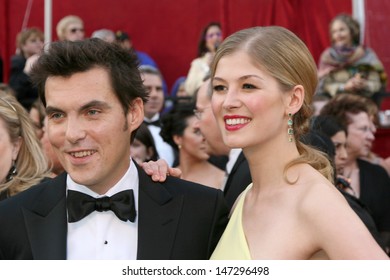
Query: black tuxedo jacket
x=237 y=181
x=177 y=220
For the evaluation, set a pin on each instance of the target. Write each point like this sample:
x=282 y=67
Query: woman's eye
x=248 y=86
x=136 y=145
x=218 y=88
x=197 y=132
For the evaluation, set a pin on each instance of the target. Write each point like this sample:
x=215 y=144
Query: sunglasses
x=74 y=30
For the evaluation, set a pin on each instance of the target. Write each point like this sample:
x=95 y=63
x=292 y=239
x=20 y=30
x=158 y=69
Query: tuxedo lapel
x=236 y=165
x=158 y=216
x=46 y=221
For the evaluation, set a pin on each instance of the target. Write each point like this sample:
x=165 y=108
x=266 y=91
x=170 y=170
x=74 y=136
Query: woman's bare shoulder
x=331 y=224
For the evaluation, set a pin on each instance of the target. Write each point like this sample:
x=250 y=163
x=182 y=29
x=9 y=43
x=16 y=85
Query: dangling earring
x=290 y=130
x=12 y=172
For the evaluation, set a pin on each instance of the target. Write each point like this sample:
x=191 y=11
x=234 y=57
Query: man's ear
x=295 y=99
x=135 y=116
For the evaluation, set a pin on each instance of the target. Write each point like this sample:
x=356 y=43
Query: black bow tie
x=156 y=123
x=81 y=205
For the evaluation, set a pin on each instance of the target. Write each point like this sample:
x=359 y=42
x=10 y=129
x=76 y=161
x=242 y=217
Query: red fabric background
x=377 y=30
x=169 y=29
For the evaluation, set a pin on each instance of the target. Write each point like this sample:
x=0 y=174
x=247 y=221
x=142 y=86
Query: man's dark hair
x=65 y=58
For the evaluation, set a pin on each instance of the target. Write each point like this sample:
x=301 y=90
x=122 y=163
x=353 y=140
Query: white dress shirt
x=233 y=156
x=164 y=150
x=101 y=235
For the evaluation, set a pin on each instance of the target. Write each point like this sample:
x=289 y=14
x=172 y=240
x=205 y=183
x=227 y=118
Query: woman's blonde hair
x=31 y=164
x=286 y=58
x=64 y=23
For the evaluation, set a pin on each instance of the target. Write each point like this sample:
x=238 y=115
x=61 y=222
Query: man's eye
x=56 y=115
x=93 y=112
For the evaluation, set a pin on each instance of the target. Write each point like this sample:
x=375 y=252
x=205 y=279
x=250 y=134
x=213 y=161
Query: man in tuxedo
x=104 y=206
x=153 y=82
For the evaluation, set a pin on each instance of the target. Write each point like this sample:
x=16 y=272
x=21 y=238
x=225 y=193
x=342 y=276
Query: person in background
x=70 y=28
x=178 y=95
x=263 y=80
x=22 y=162
x=104 y=34
x=125 y=41
x=30 y=46
x=347 y=66
x=319 y=101
x=37 y=114
x=369 y=182
x=180 y=130
x=103 y=191
x=153 y=81
x=39 y=119
x=210 y=38
x=178 y=88
x=332 y=137
x=373 y=112
x=54 y=163
x=143 y=148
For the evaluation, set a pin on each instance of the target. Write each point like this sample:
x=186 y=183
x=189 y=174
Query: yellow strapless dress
x=233 y=245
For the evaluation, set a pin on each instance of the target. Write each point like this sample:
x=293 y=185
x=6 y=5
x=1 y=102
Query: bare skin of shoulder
x=309 y=219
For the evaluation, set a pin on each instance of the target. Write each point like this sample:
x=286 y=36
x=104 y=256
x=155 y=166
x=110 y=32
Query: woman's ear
x=295 y=99
x=16 y=148
x=177 y=139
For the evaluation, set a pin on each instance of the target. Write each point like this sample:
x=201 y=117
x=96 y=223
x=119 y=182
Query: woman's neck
x=189 y=164
x=267 y=165
x=201 y=171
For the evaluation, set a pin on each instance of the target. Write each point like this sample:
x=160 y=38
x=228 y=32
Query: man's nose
x=74 y=131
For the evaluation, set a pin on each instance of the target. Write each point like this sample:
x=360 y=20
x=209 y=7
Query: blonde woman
x=70 y=28
x=263 y=80
x=22 y=162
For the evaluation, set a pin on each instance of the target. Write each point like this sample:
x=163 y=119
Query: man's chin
x=83 y=178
